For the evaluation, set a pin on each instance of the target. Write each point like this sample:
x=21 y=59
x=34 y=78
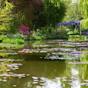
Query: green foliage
x=52 y=12
x=5 y=15
x=2 y=37
x=84 y=56
x=10 y=46
x=72 y=11
x=84 y=24
x=49 y=33
x=11 y=39
x=72 y=32
x=37 y=35
x=3 y=55
x=77 y=38
x=83 y=5
x=14 y=25
x=3 y=67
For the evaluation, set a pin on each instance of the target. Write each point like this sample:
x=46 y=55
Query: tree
x=39 y=12
x=83 y=5
x=52 y=12
x=72 y=12
x=26 y=8
x=5 y=15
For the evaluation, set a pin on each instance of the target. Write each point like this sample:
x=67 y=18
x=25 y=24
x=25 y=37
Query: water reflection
x=45 y=75
x=43 y=82
x=55 y=83
x=69 y=73
x=7 y=67
x=75 y=78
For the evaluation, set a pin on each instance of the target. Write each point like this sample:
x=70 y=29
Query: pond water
x=47 y=64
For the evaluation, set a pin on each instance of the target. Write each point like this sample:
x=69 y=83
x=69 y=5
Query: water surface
x=63 y=65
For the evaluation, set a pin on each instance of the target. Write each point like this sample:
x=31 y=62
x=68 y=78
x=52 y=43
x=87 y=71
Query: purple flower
x=68 y=23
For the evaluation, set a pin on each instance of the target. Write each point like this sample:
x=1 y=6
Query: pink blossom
x=24 y=29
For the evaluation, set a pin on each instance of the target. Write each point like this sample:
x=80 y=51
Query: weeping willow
x=84 y=24
x=84 y=8
x=5 y=15
x=83 y=5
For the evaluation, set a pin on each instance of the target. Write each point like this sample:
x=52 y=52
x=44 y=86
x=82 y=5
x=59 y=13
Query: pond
x=46 y=64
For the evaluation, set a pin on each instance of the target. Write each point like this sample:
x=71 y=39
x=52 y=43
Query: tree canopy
x=83 y=5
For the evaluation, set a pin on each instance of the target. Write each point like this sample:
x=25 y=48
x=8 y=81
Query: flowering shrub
x=24 y=29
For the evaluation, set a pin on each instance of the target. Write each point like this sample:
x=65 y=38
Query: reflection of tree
x=8 y=78
x=48 y=69
x=3 y=67
x=24 y=10
x=84 y=67
x=17 y=83
x=84 y=56
x=84 y=71
x=55 y=83
x=75 y=78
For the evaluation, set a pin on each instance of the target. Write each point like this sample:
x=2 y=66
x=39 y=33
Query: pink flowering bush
x=24 y=29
